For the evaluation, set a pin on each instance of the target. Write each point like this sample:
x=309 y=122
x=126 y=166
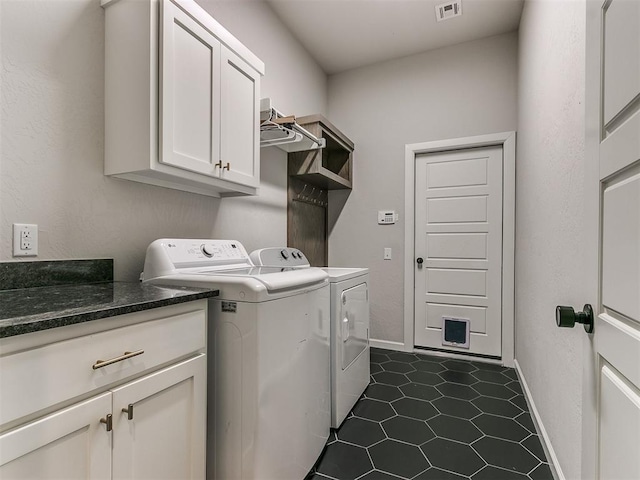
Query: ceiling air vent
x=445 y=11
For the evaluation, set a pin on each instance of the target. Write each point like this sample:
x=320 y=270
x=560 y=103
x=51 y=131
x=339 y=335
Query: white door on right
x=611 y=404
x=458 y=249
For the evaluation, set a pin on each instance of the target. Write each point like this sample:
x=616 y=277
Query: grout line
x=531 y=452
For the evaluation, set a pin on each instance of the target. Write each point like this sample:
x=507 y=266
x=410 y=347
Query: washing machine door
x=354 y=323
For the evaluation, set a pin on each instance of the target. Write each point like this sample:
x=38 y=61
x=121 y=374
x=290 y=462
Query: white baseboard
x=554 y=464
x=388 y=345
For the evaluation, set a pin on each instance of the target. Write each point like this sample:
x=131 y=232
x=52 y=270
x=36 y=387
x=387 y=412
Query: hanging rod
x=288 y=134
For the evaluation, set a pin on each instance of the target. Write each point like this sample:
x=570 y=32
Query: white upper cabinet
x=181 y=99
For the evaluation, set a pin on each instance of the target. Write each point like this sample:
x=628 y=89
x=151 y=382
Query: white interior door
x=190 y=92
x=458 y=235
x=611 y=402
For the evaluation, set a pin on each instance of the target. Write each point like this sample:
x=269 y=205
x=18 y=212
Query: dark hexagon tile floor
x=432 y=418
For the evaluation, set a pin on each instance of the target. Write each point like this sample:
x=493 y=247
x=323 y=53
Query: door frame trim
x=506 y=140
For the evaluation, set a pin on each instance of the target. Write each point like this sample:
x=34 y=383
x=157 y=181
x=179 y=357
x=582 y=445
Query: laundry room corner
x=419 y=98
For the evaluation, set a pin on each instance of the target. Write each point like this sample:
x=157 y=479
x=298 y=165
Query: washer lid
x=275 y=279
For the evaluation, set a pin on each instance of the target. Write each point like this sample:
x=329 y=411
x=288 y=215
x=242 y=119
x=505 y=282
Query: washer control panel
x=187 y=251
x=279 y=256
x=166 y=256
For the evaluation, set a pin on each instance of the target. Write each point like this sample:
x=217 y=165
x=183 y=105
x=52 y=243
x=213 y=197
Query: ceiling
x=345 y=34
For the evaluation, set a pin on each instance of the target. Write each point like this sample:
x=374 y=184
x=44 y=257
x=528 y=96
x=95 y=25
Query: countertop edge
x=38 y=325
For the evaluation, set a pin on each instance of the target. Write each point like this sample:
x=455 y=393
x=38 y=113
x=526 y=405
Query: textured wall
x=463 y=90
x=52 y=128
x=550 y=250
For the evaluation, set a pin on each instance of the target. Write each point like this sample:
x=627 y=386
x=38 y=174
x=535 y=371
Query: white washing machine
x=350 y=367
x=268 y=357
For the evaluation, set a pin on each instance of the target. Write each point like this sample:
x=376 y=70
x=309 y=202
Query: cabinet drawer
x=42 y=377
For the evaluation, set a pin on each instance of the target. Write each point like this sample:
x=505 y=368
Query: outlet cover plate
x=25 y=240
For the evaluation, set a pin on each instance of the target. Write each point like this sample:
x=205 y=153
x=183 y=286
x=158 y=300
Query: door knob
x=419 y=261
x=568 y=317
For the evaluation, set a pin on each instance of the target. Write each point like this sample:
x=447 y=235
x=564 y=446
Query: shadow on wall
x=337 y=201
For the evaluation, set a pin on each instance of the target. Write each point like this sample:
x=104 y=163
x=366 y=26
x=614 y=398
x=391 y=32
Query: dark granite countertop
x=40 y=295
x=29 y=310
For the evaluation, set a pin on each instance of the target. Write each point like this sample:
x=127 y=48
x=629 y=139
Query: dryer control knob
x=207 y=250
x=284 y=254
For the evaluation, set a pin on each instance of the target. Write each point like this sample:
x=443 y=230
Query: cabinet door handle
x=108 y=421
x=129 y=411
x=124 y=356
x=219 y=164
x=227 y=166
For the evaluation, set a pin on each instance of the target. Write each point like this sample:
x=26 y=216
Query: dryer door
x=354 y=323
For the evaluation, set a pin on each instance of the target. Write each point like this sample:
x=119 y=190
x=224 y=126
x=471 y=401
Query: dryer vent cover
x=445 y=11
x=455 y=332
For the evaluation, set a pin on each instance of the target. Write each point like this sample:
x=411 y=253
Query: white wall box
x=182 y=99
x=142 y=417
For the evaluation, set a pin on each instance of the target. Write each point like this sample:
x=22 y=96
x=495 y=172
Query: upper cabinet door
x=240 y=143
x=189 y=93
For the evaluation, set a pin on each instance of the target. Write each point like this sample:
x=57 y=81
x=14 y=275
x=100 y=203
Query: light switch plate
x=25 y=240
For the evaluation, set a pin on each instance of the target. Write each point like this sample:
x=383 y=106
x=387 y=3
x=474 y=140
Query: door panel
x=620 y=244
x=459 y=234
x=460 y=282
x=240 y=86
x=621 y=56
x=621 y=149
x=166 y=436
x=619 y=426
x=469 y=246
x=190 y=82
x=477 y=315
x=70 y=444
x=457 y=210
x=611 y=402
x=459 y=173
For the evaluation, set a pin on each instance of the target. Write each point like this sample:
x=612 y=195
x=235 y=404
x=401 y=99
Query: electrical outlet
x=25 y=240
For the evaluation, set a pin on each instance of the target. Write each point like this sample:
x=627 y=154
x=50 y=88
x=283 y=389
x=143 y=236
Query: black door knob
x=568 y=317
x=419 y=261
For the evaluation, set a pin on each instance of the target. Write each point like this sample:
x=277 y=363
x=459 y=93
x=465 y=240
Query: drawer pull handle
x=129 y=411
x=108 y=421
x=125 y=356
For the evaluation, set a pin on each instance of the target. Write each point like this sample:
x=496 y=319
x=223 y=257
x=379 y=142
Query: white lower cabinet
x=69 y=444
x=159 y=424
x=140 y=420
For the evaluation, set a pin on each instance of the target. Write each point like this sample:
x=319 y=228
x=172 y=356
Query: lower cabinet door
x=69 y=444
x=159 y=424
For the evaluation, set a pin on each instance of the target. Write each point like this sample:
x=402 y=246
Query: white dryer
x=268 y=357
x=350 y=353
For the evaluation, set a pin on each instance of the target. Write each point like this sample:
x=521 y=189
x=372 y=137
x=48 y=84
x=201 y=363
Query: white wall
x=52 y=128
x=463 y=90
x=550 y=223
